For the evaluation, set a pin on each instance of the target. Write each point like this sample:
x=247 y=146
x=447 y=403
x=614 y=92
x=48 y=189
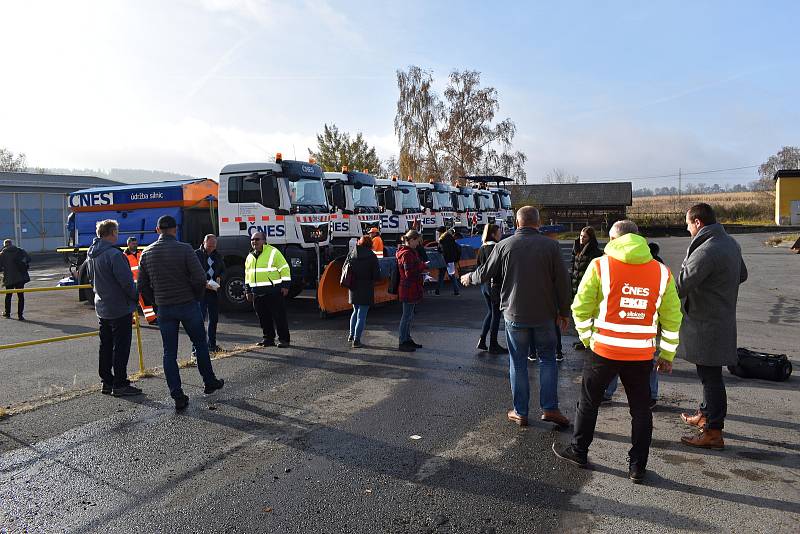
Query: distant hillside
x=130 y=176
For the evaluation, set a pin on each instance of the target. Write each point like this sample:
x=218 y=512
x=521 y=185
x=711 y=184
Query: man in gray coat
x=115 y=299
x=535 y=300
x=708 y=286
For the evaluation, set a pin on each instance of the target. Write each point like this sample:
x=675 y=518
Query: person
x=410 y=269
x=451 y=252
x=132 y=254
x=377 y=241
x=621 y=299
x=796 y=246
x=132 y=248
x=171 y=276
x=491 y=293
x=533 y=296
x=584 y=250
x=14 y=263
x=115 y=299
x=214 y=266
x=708 y=286
x=612 y=386
x=365 y=269
x=266 y=280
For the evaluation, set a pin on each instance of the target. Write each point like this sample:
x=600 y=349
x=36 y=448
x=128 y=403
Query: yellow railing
x=71 y=336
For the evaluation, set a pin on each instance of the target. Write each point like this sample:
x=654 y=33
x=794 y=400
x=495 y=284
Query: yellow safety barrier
x=71 y=336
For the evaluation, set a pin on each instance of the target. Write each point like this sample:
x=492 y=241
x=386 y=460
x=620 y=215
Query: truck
x=437 y=200
x=400 y=208
x=466 y=211
x=354 y=204
x=493 y=201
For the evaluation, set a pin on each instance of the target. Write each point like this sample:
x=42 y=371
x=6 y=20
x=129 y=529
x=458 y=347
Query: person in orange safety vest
x=132 y=254
x=377 y=241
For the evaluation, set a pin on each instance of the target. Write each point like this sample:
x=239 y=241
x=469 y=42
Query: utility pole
x=680 y=183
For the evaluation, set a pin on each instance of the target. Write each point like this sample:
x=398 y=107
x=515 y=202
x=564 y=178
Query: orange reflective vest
x=133 y=261
x=627 y=323
x=377 y=246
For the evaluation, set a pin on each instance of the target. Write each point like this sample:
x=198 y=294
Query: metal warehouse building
x=33 y=207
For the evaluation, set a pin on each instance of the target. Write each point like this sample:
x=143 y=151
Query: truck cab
x=437 y=201
x=464 y=204
x=400 y=207
x=286 y=201
x=487 y=211
x=354 y=204
x=505 y=212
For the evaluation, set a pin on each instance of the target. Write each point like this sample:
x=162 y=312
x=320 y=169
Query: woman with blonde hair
x=491 y=293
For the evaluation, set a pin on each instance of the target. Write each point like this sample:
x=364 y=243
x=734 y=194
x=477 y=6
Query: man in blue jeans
x=535 y=300
x=171 y=276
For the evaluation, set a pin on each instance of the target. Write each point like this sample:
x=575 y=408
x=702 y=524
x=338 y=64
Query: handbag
x=346 y=279
x=762 y=365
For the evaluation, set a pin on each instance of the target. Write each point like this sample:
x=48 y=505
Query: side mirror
x=270 y=196
x=339 y=198
x=389 y=200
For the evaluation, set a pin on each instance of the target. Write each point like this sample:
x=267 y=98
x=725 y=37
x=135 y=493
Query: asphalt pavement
x=324 y=438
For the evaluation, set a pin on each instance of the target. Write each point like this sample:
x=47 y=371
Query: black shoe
x=559 y=356
x=211 y=388
x=532 y=358
x=414 y=344
x=456 y=294
x=350 y=338
x=7 y=315
x=406 y=347
x=266 y=343
x=497 y=349
x=436 y=292
x=214 y=348
x=181 y=402
x=106 y=389
x=653 y=403
x=568 y=453
x=482 y=345
x=579 y=346
x=357 y=344
x=636 y=473
x=126 y=391
x=606 y=399
x=283 y=344
x=21 y=318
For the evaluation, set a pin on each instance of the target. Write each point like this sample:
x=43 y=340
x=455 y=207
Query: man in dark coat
x=14 y=262
x=366 y=271
x=708 y=286
x=451 y=252
x=214 y=266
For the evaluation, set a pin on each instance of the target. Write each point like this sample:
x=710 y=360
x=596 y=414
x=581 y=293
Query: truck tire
x=232 y=290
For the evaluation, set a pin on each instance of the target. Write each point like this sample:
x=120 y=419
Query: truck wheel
x=232 y=290
x=294 y=289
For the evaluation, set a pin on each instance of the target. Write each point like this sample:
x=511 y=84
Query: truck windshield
x=307 y=192
x=468 y=201
x=505 y=202
x=364 y=197
x=445 y=202
x=410 y=199
x=485 y=203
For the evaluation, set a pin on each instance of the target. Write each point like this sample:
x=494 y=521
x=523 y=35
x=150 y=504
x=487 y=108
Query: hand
x=563 y=323
x=664 y=366
x=249 y=297
x=284 y=291
x=466 y=280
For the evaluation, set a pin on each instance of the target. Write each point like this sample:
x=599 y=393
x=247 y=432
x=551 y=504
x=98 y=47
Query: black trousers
x=715 y=399
x=491 y=323
x=20 y=299
x=271 y=311
x=635 y=376
x=115 y=349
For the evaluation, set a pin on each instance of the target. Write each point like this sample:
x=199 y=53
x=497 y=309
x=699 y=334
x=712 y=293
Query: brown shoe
x=514 y=417
x=709 y=438
x=697 y=419
x=555 y=416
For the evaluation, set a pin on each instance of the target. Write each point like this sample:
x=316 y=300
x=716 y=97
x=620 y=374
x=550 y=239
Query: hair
x=488 y=232
x=7 y=242
x=620 y=228
x=131 y=238
x=106 y=227
x=654 y=248
x=590 y=231
x=528 y=216
x=702 y=211
x=365 y=241
x=208 y=236
x=410 y=236
x=441 y=229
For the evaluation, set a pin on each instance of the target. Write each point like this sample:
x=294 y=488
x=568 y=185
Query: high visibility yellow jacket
x=625 y=297
x=268 y=269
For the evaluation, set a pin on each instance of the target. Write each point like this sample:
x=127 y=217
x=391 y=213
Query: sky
x=604 y=90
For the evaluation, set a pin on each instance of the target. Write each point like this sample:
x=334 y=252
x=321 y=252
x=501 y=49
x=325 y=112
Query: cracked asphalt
x=318 y=438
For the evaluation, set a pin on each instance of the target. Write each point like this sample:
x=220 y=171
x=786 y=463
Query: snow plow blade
x=333 y=298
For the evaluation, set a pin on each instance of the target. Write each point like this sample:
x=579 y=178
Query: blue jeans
x=358 y=320
x=453 y=279
x=405 y=321
x=612 y=386
x=209 y=309
x=170 y=316
x=520 y=336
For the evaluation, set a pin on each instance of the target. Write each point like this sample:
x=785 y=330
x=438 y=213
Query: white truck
x=505 y=212
x=355 y=207
x=400 y=208
x=286 y=201
x=436 y=199
x=466 y=220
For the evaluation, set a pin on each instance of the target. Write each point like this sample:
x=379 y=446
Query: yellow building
x=787 y=197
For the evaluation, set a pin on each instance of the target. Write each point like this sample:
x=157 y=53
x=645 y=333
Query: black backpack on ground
x=762 y=365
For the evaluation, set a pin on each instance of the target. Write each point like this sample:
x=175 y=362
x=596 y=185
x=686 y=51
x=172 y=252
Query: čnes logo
x=631 y=301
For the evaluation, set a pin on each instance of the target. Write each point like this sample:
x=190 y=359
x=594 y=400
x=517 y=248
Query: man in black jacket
x=451 y=252
x=211 y=261
x=534 y=298
x=171 y=276
x=14 y=262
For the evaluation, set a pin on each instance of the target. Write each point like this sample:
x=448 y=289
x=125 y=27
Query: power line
x=675 y=175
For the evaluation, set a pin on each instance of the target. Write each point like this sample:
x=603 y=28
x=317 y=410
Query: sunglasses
x=256 y=239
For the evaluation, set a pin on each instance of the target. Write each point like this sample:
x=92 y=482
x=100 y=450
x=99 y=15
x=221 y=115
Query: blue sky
x=600 y=89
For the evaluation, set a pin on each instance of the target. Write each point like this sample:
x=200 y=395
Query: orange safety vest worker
x=133 y=261
x=377 y=243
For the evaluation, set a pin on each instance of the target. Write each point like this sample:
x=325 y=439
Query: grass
x=781 y=239
x=3 y=413
x=752 y=208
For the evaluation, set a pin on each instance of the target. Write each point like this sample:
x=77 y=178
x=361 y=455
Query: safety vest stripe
x=662 y=287
x=271 y=258
x=671 y=347
x=624 y=342
x=260 y=284
x=586 y=335
x=286 y=278
x=626 y=328
x=584 y=324
x=134 y=268
x=605 y=280
x=284 y=267
x=669 y=334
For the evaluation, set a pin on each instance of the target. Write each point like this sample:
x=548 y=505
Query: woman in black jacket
x=491 y=293
x=451 y=252
x=584 y=251
x=364 y=266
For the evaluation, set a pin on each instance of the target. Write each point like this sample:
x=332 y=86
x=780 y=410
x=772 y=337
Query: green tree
x=11 y=163
x=787 y=157
x=336 y=149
